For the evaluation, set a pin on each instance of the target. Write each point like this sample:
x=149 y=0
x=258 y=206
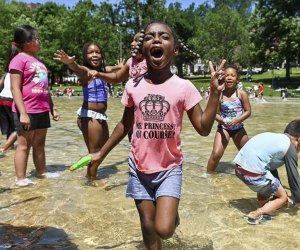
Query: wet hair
x=293 y=128
x=22 y=34
x=85 y=48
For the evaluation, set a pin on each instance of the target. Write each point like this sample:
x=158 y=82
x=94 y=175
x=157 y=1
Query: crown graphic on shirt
x=154 y=107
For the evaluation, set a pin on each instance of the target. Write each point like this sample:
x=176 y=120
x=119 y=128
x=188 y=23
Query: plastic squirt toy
x=84 y=161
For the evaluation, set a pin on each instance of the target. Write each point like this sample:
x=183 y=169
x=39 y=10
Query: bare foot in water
x=95 y=182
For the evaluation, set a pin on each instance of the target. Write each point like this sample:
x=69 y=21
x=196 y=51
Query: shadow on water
x=173 y=244
x=116 y=246
x=226 y=168
x=245 y=205
x=112 y=186
x=5 y=189
x=21 y=202
x=176 y=243
x=29 y=238
x=52 y=169
x=107 y=170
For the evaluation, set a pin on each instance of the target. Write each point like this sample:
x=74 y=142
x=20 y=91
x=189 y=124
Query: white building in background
x=196 y=68
x=70 y=78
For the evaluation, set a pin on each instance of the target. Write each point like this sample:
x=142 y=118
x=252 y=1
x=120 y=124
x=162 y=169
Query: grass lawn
x=267 y=78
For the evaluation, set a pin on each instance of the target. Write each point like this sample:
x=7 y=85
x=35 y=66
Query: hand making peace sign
x=217 y=77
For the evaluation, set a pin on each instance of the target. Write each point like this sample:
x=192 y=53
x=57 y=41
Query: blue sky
x=184 y=3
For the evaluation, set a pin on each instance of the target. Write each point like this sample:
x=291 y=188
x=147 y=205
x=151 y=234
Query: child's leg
x=9 y=142
x=166 y=217
x=269 y=207
x=38 y=150
x=25 y=139
x=95 y=135
x=220 y=144
x=240 y=138
x=147 y=209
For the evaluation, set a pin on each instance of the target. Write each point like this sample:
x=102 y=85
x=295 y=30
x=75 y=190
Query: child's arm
x=114 y=77
x=203 y=121
x=247 y=109
x=80 y=71
x=291 y=164
x=2 y=82
x=53 y=109
x=113 y=68
x=120 y=131
x=16 y=82
x=219 y=118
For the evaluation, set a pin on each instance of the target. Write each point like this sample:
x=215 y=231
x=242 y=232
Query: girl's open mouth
x=156 y=52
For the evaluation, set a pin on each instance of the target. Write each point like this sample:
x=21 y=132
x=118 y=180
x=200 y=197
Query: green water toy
x=84 y=161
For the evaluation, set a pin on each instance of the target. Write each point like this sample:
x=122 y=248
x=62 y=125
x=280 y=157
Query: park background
x=261 y=37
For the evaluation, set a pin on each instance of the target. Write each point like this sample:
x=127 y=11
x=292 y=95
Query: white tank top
x=6 y=92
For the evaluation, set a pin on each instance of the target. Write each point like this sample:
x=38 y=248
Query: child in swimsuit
x=234 y=108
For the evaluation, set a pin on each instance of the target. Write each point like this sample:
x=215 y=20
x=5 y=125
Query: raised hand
x=120 y=62
x=217 y=77
x=92 y=74
x=63 y=57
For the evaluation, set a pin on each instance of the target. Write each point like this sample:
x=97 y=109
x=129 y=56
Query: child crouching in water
x=154 y=107
x=262 y=154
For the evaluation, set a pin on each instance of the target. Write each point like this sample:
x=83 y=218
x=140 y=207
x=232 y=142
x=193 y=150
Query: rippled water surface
x=65 y=214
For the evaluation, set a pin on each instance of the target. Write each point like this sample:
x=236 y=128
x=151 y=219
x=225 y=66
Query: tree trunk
x=178 y=64
x=287 y=70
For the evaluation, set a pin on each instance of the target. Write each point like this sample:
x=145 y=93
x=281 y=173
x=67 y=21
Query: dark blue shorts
x=151 y=186
x=266 y=185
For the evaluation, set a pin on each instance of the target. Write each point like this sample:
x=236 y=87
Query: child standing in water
x=32 y=103
x=263 y=154
x=135 y=66
x=234 y=108
x=154 y=107
x=91 y=116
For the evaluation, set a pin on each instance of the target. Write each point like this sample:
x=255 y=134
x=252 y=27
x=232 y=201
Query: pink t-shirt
x=158 y=114
x=136 y=68
x=34 y=86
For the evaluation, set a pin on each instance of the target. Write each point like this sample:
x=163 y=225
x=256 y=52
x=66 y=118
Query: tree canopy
x=248 y=33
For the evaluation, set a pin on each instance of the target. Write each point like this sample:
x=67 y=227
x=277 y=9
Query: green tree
x=51 y=27
x=87 y=22
x=220 y=34
x=11 y=15
x=276 y=32
x=184 y=23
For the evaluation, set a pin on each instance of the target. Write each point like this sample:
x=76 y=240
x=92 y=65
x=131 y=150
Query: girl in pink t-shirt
x=32 y=103
x=154 y=107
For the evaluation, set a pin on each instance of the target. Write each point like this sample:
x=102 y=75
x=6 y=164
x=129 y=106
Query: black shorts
x=232 y=133
x=37 y=121
x=6 y=120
